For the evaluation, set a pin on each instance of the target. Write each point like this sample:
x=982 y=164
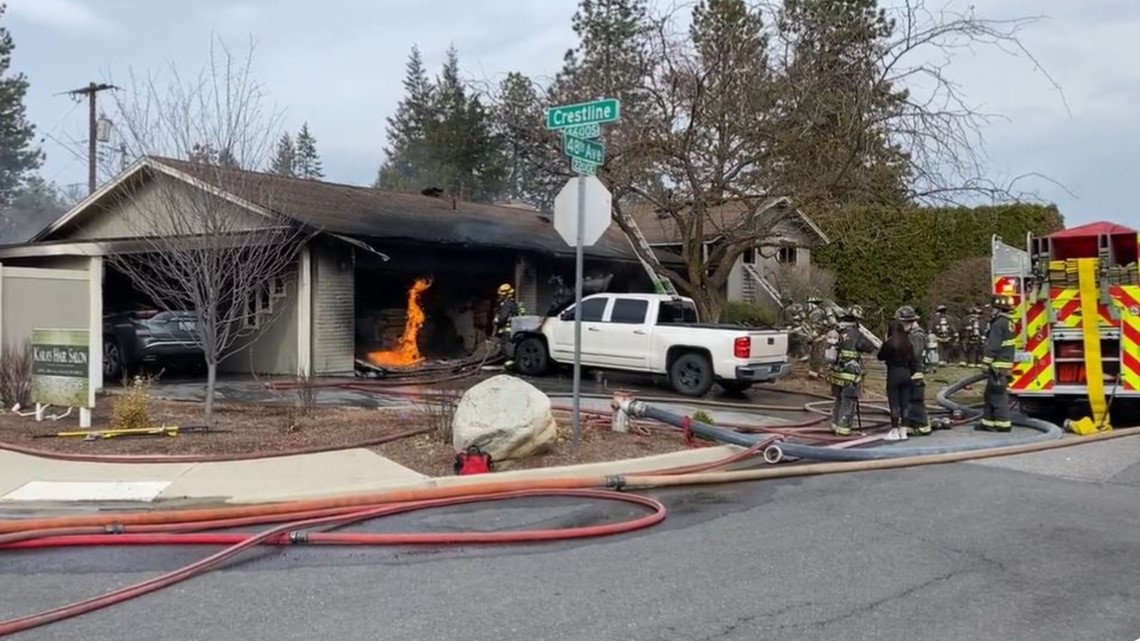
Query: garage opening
x=443 y=302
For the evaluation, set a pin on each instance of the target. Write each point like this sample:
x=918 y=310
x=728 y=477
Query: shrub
x=887 y=257
x=438 y=411
x=801 y=282
x=741 y=313
x=131 y=409
x=16 y=374
x=964 y=284
x=702 y=416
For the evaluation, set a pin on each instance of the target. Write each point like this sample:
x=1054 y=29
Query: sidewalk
x=31 y=479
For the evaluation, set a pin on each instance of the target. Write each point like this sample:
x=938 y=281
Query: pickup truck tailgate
x=768 y=345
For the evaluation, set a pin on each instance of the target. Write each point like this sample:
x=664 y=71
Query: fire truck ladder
x=661 y=283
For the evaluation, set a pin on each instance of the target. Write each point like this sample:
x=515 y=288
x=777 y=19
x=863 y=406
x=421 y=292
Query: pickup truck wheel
x=736 y=387
x=691 y=375
x=531 y=358
x=113 y=366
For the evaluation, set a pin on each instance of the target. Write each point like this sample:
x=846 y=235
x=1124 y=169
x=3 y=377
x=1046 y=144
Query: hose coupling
x=773 y=454
x=114 y=528
x=616 y=482
x=632 y=407
x=298 y=537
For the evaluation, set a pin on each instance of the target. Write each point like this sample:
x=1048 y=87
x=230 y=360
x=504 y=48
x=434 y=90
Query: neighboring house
x=348 y=292
x=790 y=243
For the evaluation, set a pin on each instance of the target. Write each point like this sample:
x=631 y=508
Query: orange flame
x=407 y=351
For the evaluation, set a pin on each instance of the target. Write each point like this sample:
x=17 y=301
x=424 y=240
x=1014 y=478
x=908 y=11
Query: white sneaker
x=893 y=435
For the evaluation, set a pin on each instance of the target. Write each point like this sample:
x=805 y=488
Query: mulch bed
x=243 y=429
x=428 y=455
x=260 y=430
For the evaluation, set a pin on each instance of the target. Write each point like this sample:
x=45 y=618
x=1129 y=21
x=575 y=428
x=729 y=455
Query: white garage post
x=95 y=337
x=305 y=313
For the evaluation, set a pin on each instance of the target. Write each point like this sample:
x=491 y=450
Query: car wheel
x=112 y=360
x=691 y=375
x=736 y=387
x=531 y=357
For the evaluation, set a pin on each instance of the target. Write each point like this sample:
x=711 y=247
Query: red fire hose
x=293 y=532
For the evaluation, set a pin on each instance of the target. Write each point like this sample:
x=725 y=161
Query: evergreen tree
x=285 y=157
x=464 y=150
x=34 y=206
x=308 y=162
x=18 y=154
x=526 y=156
x=837 y=104
x=407 y=166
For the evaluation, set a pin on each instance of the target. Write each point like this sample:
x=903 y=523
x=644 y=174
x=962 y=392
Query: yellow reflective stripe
x=917 y=376
x=845 y=376
x=1009 y=343
x=1002 y=365
x=846 y=353
x=987 y=360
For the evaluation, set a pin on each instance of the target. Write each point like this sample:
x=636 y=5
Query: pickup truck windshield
x=676 y=313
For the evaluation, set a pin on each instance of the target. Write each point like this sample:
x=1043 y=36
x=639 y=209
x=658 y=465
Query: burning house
x=393 y=279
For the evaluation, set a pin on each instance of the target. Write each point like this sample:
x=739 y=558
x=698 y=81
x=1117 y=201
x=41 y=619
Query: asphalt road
x=1038 y=547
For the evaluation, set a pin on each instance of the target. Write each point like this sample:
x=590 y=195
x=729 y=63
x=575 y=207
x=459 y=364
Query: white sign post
x=582 y=213
x=582 y=209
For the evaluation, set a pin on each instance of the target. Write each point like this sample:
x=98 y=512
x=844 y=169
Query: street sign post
x=582 y=209
x=585 y=113
x=582 y=213
x=583 y=167
x=583 y=149
x=588 y=132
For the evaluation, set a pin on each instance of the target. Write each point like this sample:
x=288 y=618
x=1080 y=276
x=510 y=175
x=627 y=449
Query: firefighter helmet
x=506 y=290
x=1003 y=303
x=940 y=309
x=906 y=314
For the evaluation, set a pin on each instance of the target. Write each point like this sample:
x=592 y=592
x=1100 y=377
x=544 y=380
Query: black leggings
x=899 y=390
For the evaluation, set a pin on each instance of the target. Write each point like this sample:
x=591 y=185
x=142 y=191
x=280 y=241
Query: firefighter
x=820 y=321
x=507 y=309
x=998 y=361
x=972 y=338
x=946 y=331
x=917 y=420
x=844 y=357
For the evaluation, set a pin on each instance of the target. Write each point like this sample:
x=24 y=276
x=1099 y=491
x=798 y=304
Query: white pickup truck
x=655 y=334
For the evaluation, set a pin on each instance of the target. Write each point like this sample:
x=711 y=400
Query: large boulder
x=505 y=417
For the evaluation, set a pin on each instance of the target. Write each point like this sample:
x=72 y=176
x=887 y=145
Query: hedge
x=885 y=258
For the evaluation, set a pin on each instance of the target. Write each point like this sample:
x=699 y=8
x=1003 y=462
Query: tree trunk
x=211 y=390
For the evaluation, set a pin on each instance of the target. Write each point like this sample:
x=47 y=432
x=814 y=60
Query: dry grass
x=16 y=374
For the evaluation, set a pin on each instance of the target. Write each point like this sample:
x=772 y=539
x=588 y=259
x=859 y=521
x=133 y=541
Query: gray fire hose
x=1043 y=431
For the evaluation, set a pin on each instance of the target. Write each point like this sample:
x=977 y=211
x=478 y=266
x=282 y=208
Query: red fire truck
x=1077 y=318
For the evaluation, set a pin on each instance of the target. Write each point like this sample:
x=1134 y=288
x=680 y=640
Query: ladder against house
x=641 y=248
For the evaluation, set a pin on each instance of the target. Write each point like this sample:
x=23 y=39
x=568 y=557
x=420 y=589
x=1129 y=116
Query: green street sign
x=583 y=167
x=586 y=113
x=588 y=132
x=582 y=149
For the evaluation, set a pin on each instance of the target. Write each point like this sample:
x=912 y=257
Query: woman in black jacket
x=898 y=354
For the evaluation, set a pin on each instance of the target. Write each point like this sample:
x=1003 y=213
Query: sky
x=338 y=65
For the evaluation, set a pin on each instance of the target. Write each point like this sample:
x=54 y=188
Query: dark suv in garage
x=147 y=337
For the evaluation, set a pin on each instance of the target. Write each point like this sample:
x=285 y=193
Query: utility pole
x=91 y=91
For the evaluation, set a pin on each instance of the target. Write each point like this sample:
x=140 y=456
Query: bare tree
x=748 y=113
x=211 y=239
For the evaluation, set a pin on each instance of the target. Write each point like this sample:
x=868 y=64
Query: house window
x=259 y=307
x=786 y=255
x=750 y=256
